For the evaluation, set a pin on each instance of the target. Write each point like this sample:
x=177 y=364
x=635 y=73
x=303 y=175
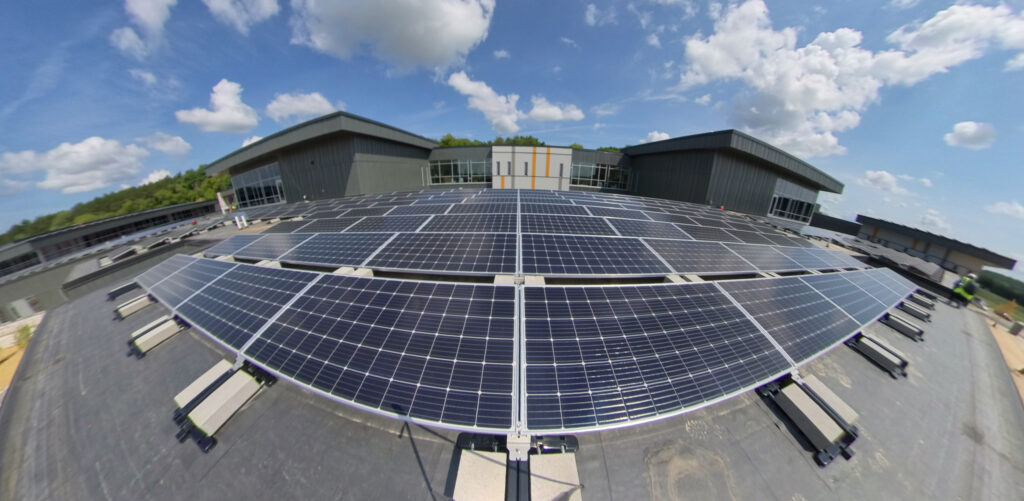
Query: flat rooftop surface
x=84 y=421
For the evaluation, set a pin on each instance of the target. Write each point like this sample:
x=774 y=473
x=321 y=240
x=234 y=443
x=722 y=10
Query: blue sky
x=911 y=104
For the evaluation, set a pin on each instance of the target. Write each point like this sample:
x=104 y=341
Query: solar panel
x=712 y=222
x=571 y=225
x=430 y=351
x=778 y=239
x=553 y=255
x=599 y=356
x=389 y=224
x=706 y=233
x=568 y=210
x=483 y=208
x=635 y=228
x=480 y=223
x=330 y=225
x=179 y=286
x=622 y=213
x=901 y=286
x=231 y=245
x=855 y=301
x=238 y=304
x=161 y=271
x=802 y=321
x=669 y=218
x=286 y=226
x=416 y=210
x=367 y=211
x=327 y=214
x=336 y=249
x=764 y=257
x=750 y=237
x=482 y=253
x=807 y=258
x=272 y=246
x=691 y=257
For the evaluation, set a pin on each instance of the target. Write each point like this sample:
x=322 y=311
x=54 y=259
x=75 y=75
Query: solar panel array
x=525 y=358
x=549 y=233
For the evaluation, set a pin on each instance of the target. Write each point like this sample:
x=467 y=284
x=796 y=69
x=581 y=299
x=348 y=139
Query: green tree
x=610 y=149
x=576 y=146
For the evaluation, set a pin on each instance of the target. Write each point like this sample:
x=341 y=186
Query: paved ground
x=83 y=421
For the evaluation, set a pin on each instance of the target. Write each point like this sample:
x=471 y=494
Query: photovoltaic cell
x=706 y=233
x=336 y=249
x=285 y=227
x=597 y=356
x=231 y=245
x=798 y=317
x=435 y=352
x=236 y=305
x=416 y=210
x=479 y=223
x=367 y=211
x=552 y=255
x=483 y=208
x=161 y=271
x=272 y=246
x=711 y=222
x=852 y=299
x=179 y=286
x=635 y=228
x=389 y=224
x=336 y=225
x=750 y=237
x=764 y=257
x=622 y=213
x=691 y=257
x=483 y=253
x=807 y=258
x=568 y=210
x=570 y=225
x=669 y=218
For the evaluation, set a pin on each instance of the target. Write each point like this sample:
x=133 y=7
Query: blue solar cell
x=552 y=255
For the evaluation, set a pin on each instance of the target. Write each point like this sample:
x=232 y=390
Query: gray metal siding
x=599 y=157
x=382 y=174
x=741 y=185
x=461 y=153
x=318 y=170
x=683 y=176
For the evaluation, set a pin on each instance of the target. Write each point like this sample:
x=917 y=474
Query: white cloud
x=1016 y=63
x=149 y=16
x=883 y=181
x=500 y=111
x=249 y=140
x=148 y=79
x=688 y=6
x=594 y=16
x=798 y=98
x=933 y=219
x=703 y=100
x=653 y=136
x=501 y=54
x=166 y=143
x=644 y=17
x=128 y=42
x=923 y=180
x=301 y=106
x=89 y=165
x=971 y=135
x=229 y=113
x=12 y=186
x=606 y=109
x=570 y=42
x=1013 y=209
x=543 y=111
x=431 y=33
x=653 y=40
x=242 y=14
x=155 y=176
x=903 y=4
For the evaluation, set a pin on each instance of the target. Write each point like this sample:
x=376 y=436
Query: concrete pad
x=481 y=476
x=554 y=476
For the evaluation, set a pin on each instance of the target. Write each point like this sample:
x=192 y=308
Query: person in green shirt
x=964 y=290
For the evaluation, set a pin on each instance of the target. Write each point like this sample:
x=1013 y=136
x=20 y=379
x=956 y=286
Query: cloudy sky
x=913 y=104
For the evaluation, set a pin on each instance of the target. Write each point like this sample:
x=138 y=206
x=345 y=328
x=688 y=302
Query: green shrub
x=24 y=334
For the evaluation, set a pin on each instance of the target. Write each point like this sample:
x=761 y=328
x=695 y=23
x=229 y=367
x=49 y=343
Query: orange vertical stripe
x=502 y=182
x=533 y=171
x=547 y=163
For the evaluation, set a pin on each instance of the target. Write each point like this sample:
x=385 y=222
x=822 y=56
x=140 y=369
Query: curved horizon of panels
x=595 y=357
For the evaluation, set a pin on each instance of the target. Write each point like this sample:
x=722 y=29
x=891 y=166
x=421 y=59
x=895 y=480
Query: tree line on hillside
x=188 y=186
x=450 y=140
x=1002 y=285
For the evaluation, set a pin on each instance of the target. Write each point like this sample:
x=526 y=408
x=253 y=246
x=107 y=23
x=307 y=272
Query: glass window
x=259 y=186
x=461 y=171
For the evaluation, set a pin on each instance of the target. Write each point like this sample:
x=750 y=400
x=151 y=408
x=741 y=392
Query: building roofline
x=743 y=143
x=332 y=123
x=950 y=243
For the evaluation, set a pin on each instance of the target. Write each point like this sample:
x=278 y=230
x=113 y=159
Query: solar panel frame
x=272 y=246
x=336 y=249
x=697 y=257
x=568 y=225
x=583 y=255
x=471 y=223
x=233 y=244
x=649 y=229
x=389 y=224
x=449 y=253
